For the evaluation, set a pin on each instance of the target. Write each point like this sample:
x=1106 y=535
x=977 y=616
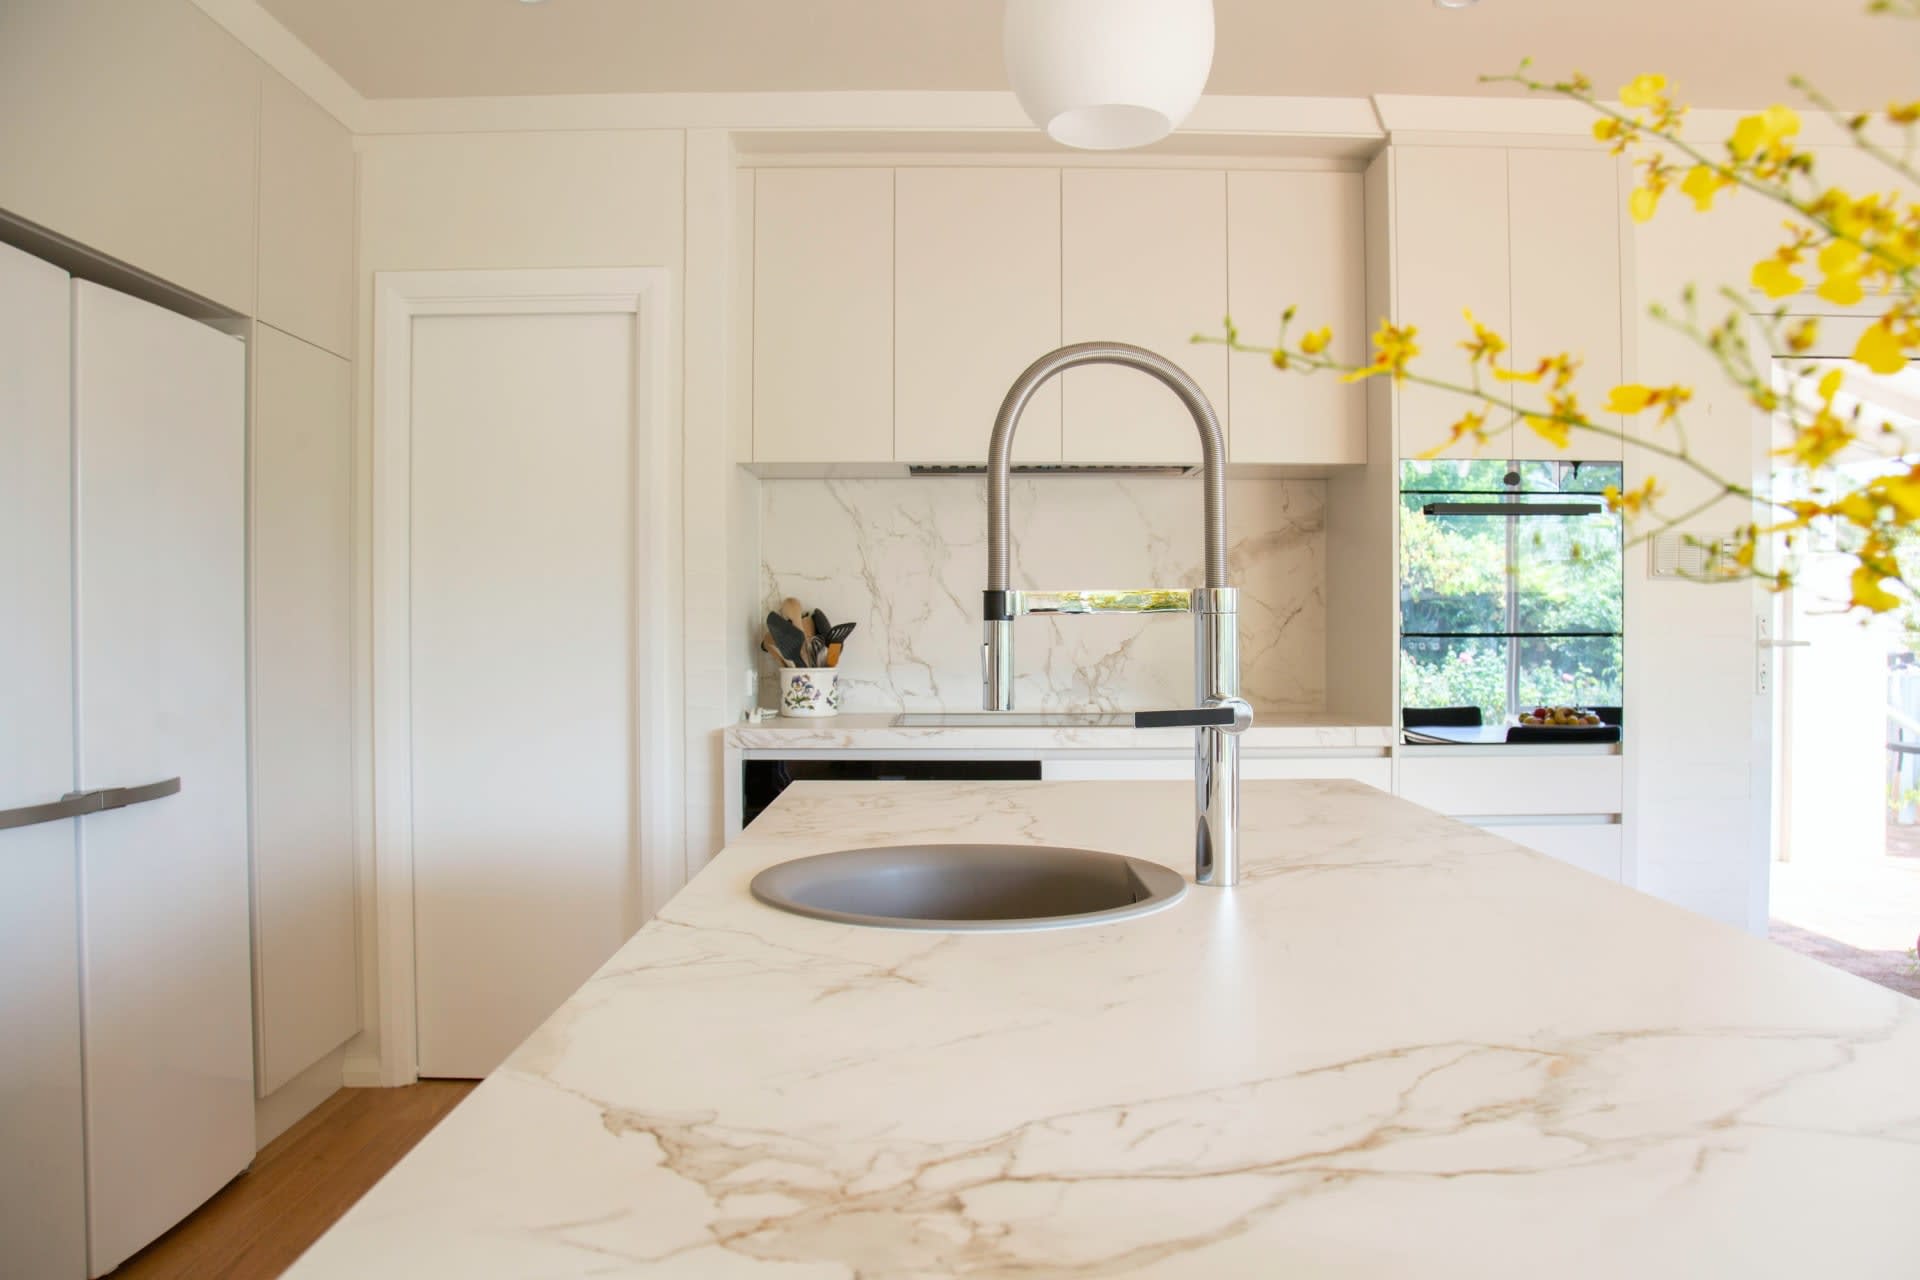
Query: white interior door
x=159 y=436
x=42 y=1179
x=523 y=535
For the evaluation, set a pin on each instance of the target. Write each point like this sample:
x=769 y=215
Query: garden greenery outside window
x=1509 y=612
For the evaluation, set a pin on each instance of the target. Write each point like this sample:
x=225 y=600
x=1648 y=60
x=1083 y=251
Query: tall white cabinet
x=42 y=1172
x=125 y=964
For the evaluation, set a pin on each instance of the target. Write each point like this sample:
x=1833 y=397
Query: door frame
x=400 y=298
x=1840 y=329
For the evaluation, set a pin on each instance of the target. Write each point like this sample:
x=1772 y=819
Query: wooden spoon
x=790 y=610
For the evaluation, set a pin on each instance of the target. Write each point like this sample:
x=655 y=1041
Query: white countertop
x=1283 y=731
x=1402 y=1047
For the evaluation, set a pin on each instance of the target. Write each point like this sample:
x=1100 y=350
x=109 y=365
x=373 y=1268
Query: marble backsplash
x=906 y=560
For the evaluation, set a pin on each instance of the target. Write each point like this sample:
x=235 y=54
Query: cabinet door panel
x=306 y=219
x=1296 y=239
x=1450 y=231
x=1565 y=214
x=823 y=315
x=1144 y=260
x=307 y=995
x=132 y=129
x=976 y=300
x=159 y=407
x=42 y=1188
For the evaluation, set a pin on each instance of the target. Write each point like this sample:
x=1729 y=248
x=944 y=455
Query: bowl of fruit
x=1559 y=718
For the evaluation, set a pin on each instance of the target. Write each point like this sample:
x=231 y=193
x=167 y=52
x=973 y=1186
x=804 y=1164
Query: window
x=1509 y=609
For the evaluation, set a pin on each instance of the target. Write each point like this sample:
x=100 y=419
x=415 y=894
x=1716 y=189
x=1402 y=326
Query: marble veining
x=1402 y=1047
x=906 y=560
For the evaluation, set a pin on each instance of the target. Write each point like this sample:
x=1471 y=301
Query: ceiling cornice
x=285 y=53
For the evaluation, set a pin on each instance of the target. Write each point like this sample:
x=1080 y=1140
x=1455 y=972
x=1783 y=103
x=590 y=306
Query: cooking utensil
x=833 y=654
x=787 y=637
x=768 y=643
x=790 y=610
x=836 y=634
x=820 y=625
x=814 y=652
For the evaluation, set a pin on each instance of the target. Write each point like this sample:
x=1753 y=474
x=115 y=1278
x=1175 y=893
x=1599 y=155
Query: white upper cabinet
x=306 y=219
x=1144 y=260
x=1565 y=219
x=823 y=315
x=1296 y=239
x=1450 y=221
x=976 y=300
x=131 y=129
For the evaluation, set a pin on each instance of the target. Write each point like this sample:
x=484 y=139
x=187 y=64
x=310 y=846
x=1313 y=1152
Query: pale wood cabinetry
x=976 y=299
x=1565 y=234
x=1450 y=225
x=1296 y=239
x=892 y=308
x=1143 y=260
x=1528 y=239
x=823 y=315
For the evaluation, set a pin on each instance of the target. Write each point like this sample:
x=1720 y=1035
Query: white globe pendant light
x=1108 y=74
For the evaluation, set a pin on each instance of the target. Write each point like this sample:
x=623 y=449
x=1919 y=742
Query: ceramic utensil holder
x=809 y=691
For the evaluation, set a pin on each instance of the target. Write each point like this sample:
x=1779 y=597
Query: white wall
x=516 y=200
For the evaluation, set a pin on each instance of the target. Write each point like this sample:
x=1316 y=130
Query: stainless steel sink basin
x=970 y=887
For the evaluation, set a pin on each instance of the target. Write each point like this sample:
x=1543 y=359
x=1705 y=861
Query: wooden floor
x=299 y=1185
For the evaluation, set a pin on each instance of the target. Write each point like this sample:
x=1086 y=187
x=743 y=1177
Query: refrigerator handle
x=121 y=797
x=77 y=804
x=67 y=806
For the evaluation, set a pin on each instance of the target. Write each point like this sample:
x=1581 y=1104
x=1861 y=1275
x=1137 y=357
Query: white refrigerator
x=126 y=1069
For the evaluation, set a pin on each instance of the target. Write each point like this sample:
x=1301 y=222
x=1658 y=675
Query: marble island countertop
x=1402 y=1047
x=877 y=731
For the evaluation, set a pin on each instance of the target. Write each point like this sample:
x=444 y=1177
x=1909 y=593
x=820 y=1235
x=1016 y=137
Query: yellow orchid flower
x=1775 y=278
x=1556 y=432
x=1869 y=594
x=1643 y=90
x=1840 y=260
x=1643 y=204
x=1880 y=349
x=1703 y=182
x=1485 y=344
x=1763 y=132
x=1472 y=423
x=1393 y=346
x=1315 y=342
x=1630 y=398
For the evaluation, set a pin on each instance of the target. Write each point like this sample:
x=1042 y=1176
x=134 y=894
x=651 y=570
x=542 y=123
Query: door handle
x=77 y=804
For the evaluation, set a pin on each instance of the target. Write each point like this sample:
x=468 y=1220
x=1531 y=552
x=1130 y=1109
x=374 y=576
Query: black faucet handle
x=1233 y=715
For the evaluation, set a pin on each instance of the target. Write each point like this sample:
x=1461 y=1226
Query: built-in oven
x=1510 y=593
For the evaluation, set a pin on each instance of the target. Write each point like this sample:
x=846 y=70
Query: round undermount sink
x=971 y=887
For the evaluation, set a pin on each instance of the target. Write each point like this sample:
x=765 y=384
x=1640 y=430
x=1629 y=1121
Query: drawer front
x=1374 y=771
x=1471 y=786
x=1595 y=847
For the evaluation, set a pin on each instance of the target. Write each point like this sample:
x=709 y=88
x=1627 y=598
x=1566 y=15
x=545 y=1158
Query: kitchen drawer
x=1479 y=785
x=1375 y=771
x=1591 y=846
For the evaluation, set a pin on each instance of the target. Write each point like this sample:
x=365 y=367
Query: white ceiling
x=1723 y=52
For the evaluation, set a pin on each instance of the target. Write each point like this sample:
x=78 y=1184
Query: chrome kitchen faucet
x=1222 y=714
